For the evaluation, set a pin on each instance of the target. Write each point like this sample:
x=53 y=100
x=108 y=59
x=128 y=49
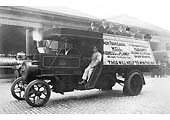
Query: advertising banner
x=126 y=51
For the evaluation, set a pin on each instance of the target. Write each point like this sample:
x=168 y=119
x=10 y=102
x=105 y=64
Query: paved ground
x=155 y=98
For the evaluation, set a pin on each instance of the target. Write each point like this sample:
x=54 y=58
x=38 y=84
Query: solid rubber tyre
x=20 y=85
x=33 y=91
x=133 y=84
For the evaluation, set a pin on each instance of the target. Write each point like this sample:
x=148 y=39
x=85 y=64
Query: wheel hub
x=22 y=89
x=38 y=93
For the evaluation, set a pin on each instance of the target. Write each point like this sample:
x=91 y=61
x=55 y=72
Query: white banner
x=126 y=51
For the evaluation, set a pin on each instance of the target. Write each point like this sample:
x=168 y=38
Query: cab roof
x=68 y=32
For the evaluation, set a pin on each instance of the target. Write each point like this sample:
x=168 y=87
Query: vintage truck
x=57 y=64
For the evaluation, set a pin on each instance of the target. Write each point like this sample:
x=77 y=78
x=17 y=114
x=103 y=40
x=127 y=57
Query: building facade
x=18 y=23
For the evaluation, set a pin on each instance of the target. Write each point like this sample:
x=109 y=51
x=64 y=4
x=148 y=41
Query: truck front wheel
x=133 y=83
x=37 y=93
x=18 y=89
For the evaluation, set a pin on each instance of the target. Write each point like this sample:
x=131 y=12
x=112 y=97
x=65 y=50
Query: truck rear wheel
x=133 y=83
x=37 y=93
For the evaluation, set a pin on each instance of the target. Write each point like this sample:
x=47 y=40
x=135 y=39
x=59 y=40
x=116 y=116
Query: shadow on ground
x=100 y=95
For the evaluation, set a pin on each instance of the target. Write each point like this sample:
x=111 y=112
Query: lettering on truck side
x=126 y=51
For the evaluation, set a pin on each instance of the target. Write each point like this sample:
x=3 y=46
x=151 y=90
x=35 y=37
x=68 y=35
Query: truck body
x=57 y=61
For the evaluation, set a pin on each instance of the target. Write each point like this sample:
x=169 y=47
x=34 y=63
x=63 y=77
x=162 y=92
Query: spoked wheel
x=133 y=84
x=18 y=89
x=37 y=93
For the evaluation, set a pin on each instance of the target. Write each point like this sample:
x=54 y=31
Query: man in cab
x=95 y=60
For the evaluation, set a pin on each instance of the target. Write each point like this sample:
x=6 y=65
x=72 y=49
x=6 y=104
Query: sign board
x=119 y=50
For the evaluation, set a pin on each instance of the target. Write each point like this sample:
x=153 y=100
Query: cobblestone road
x=155 y=98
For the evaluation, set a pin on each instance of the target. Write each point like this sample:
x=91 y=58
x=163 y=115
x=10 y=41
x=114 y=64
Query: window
x=53 y=46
